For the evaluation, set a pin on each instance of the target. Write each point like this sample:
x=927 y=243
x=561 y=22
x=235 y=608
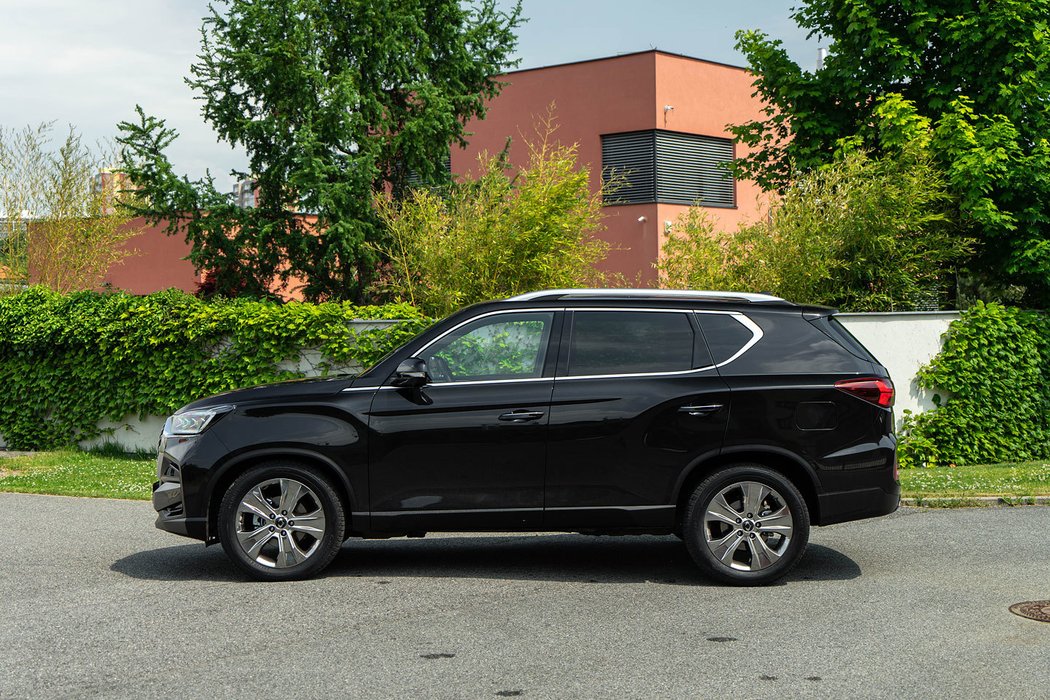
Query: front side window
x=504 y=346
x=630 y=342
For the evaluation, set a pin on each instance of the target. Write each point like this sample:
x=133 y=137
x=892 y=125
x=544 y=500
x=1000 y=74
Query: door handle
x=521 y=416
x=701 y=410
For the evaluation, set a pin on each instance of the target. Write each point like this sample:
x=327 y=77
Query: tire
x=733 y=548
x=304 y=533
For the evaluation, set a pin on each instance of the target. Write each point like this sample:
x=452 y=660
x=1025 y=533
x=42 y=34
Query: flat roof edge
x=627 y=55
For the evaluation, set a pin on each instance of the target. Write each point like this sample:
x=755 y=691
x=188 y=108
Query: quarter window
x=725 y=335
x=630 y=342
x=505 y=346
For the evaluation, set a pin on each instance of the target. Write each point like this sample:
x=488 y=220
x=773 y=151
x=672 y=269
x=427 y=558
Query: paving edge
x=979 y=501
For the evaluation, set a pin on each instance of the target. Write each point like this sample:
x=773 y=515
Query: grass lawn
x=103 y=476
x=78 y=474
x=1010 y=480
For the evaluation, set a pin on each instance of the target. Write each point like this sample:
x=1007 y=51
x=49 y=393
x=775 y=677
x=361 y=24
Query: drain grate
x=1033 y=610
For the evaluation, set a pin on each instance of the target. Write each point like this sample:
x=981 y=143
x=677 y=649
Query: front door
x=468 y=450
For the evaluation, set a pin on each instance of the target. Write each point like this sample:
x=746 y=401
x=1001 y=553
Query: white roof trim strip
x=644 y=293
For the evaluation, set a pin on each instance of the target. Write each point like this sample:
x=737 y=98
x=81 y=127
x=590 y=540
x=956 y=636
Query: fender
x=253 y=455
x=703 y=460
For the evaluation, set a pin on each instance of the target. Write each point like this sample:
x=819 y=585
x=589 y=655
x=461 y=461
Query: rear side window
x=725 y=335
x=630 y=342
x=833 y=327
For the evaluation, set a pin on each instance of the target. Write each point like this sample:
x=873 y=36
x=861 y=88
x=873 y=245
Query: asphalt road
x=95 y=602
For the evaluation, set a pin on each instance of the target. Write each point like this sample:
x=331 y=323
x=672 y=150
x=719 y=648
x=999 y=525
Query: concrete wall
x=902 y=342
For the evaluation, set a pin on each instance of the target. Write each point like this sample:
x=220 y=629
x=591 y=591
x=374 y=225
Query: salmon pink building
x=655 y=121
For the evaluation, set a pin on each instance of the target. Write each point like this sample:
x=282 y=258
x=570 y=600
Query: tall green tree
x=333 y=101
x=978 y=70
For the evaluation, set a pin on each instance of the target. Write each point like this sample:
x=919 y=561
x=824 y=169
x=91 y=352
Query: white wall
x=902 y=342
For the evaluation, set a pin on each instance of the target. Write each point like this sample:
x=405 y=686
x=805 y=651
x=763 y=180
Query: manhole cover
x=1033 y=610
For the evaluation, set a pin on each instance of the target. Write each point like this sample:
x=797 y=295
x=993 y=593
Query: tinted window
x=506 y=346
x=630 y=342
x=724 y=334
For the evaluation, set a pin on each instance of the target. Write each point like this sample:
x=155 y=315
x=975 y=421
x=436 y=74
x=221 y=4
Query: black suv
x=730 y=420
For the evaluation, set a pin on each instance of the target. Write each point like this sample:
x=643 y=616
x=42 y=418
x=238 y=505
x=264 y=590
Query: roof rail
x=646 y=294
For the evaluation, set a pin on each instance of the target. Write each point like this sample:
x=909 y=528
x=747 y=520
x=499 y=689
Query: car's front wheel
x=280 y=521
x=746 y=525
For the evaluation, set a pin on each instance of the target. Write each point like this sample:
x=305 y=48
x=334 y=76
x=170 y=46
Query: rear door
x=637 y=400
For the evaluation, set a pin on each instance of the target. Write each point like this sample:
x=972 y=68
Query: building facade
x=655 y=122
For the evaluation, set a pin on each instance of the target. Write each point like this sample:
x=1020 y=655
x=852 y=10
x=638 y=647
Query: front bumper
x=171 y=516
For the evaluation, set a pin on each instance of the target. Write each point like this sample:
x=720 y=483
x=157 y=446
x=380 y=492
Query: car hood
x=290 y=390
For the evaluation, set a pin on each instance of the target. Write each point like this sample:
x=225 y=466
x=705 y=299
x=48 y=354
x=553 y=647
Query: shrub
x=995 y=400
x=874 y=234
x=69 y=361
x=509 y=231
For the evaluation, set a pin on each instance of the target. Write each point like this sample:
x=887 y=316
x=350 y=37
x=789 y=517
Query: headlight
x=194 y=422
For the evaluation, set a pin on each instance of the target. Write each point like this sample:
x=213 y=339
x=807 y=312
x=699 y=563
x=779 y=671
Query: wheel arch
x=232 y=469
x=793 y=467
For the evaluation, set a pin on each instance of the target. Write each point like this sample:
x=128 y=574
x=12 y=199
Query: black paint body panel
x=608 y=454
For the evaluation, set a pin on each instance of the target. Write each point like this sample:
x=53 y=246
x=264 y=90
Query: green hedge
x=994 y=369
x=68 y=362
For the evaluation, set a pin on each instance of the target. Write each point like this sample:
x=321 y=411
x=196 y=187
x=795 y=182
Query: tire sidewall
x=693 y=530
x=329 y=501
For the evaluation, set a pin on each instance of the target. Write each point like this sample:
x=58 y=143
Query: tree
x=333 y=101
x=61 y=227
x=506 y=232
x=860 y=234
x=979 y=71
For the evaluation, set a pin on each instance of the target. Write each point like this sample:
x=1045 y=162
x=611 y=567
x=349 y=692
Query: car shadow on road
x=554 y=557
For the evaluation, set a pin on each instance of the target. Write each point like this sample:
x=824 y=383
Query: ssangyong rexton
x=732 y=420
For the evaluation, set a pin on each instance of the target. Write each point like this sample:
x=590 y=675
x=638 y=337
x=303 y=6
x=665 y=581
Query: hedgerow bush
x=993 y=405
x=69 y=361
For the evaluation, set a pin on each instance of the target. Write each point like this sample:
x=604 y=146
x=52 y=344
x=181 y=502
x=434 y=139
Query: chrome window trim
x=673 y=373
x=574 y=377
x=472 y=319
x=470 y=382
x=756 y=332
x=486 y=315
x=742 y=319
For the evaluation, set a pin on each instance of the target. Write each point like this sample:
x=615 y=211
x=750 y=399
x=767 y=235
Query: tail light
x=872 y=390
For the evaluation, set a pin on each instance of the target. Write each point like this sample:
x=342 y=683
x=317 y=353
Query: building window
x=414 y=180
x=667 y=167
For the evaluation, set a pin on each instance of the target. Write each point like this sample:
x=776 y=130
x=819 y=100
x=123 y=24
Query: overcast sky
x=89 y=62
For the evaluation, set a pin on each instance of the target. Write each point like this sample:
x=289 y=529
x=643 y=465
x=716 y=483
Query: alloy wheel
x=748 y=526
x=280 y=523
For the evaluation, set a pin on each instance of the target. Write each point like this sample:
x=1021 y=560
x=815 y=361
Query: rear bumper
x=841 y=506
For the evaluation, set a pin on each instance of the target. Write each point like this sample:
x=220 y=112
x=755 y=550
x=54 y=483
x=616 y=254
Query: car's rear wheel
x=746 y=525
x=280 y=521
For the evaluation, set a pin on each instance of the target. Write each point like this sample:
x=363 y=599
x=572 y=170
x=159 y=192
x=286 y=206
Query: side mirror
x=411 y=373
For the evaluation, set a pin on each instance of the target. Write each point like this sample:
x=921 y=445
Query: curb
x=978 y=501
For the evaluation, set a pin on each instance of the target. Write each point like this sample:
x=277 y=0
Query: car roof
x=651 y=294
